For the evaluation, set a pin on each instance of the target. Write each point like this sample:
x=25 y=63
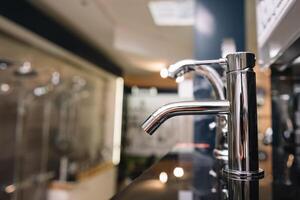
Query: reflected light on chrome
x=179 y=79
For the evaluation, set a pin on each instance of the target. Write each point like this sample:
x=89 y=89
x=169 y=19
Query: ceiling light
x=10 y=189
x=173 y=12
x=4 y=87
x=178 y=172
x=164 y=73
x=163 y=177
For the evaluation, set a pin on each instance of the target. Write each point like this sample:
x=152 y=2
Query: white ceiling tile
x=124 y=29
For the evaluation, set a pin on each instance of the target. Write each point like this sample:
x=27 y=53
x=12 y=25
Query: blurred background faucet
x=185 y=66
x=242 y=172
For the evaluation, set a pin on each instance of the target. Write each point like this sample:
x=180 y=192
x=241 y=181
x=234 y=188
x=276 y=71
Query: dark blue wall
x=227 y=20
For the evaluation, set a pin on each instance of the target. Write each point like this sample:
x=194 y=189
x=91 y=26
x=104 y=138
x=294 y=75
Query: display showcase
x=58 y=116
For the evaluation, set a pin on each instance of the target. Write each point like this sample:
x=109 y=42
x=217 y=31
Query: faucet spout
x=184 y=108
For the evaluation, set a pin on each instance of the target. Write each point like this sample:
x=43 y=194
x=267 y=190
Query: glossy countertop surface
x=196 y=177
x=198 y=181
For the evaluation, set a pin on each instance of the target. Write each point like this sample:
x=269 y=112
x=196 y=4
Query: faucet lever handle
x=179 y=68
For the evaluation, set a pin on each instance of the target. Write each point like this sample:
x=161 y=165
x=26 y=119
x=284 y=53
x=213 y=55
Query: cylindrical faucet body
x=243 y=169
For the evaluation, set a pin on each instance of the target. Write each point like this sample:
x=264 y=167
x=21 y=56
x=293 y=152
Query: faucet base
x=243 y=175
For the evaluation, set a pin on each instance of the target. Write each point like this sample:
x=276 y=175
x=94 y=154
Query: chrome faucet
x=242 y=172
x=182 y=67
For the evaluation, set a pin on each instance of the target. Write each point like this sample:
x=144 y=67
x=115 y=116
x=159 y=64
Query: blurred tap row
x=47 y=127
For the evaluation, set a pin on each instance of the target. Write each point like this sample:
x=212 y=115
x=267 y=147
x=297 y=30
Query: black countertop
x=197 y=182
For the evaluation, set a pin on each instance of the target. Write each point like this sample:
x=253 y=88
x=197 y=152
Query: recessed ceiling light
x=164 y=73
x=178 y=172
x=173 y=12
x=163 y=177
